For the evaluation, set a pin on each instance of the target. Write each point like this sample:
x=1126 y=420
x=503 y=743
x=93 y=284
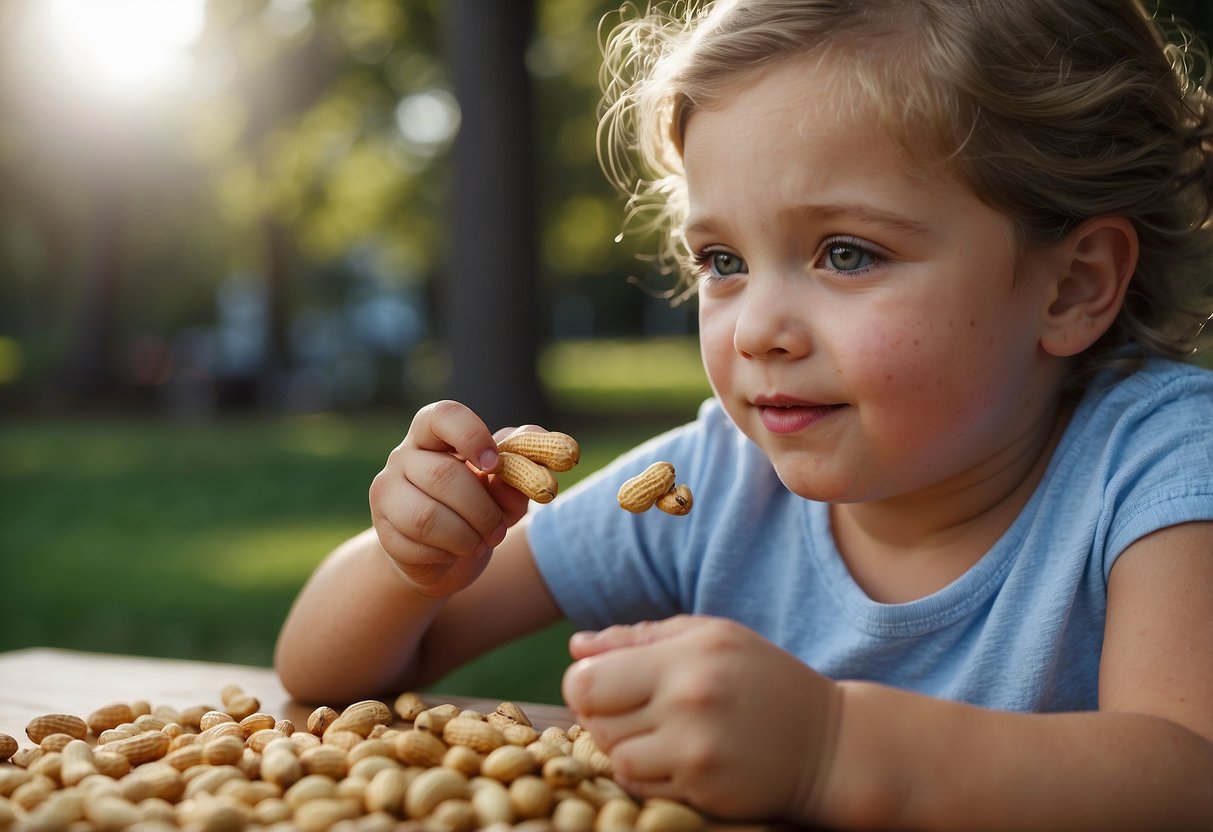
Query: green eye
x=715 y=263
x=722 y=263
x=845 y=257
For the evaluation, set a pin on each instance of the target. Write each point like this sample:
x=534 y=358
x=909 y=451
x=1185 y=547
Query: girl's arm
x=676 y=703
x=444 y=556
x=1143 y=761
x=359 y=629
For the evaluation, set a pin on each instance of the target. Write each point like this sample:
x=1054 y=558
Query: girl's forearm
x=355 y=630
x=906 y=761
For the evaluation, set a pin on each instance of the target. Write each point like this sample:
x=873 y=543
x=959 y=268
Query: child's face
x=861 y=321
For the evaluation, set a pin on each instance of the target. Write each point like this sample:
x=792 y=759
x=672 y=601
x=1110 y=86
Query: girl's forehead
x=789 y=145
x=865 y=85
x=820 y=97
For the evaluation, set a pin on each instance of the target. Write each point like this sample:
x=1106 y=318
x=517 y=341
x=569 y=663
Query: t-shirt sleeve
x=604 y=565
x=1164 y=447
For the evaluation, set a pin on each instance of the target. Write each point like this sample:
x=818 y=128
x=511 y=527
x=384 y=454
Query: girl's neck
x=903 y=549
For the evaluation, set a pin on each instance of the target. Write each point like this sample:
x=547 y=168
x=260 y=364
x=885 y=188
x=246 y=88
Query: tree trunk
x=276 y=247
x=490 y=291
x=90 y=370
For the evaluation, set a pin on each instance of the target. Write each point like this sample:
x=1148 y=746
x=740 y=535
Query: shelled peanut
x=412 y=767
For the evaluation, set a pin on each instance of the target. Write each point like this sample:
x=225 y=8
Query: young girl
x=950 y=564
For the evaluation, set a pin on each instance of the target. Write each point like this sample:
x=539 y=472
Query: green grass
x=625 y=374
x=173 y=539
x=190 y=540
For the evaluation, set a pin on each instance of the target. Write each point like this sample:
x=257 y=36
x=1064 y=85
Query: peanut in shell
x=553 y=450
x=531 y=478
x=638 y=494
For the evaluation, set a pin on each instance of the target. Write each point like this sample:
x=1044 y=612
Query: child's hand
x=706 y=711
x=438 y=516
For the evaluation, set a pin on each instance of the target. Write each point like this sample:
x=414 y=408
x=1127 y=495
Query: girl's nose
x=770 y=322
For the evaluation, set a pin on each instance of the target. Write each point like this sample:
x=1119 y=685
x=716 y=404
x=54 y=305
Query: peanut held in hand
x=529 y=458
x=529 y=477
x=553 y=450
x=438 y=505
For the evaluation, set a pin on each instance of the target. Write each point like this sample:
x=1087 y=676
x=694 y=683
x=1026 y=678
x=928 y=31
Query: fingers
x=643 y=764
x=451 y=433
x=452 y=427
x=431 y=508
x=617 y=698
x=454 y=514
x=431 y=500
x=589 y=643
x=616 y=670
x=689 y=706
x=613 y=683
x=438 y=499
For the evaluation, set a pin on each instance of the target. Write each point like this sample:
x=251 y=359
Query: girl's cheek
x=715 y=345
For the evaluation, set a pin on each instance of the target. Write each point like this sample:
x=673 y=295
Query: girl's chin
x=825 y=488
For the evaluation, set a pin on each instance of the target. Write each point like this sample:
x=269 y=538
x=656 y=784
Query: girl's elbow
x=298 y=680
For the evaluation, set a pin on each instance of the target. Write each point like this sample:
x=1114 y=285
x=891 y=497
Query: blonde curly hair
x=1052 y=112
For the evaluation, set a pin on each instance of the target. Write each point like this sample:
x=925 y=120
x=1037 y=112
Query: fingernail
x=481 y=550
x=488 y=459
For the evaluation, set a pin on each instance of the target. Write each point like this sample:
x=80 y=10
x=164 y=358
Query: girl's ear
x=1094 y=265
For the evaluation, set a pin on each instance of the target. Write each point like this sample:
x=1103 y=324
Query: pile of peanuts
x=410 y=767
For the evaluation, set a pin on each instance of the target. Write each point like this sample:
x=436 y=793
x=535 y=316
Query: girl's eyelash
x=828 y=247
x=702 y=258
x=704 y=265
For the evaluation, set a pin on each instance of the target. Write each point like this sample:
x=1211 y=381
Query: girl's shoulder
x=1161 y=390
x=1146 y=436
x=1138 y=456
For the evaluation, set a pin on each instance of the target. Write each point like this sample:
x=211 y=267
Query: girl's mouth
x=785 y=416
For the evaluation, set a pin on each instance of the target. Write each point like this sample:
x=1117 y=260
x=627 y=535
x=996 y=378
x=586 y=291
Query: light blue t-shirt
x=1021 y=630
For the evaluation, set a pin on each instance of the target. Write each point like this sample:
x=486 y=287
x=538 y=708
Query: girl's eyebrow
x=857 y=212
x=794 y=214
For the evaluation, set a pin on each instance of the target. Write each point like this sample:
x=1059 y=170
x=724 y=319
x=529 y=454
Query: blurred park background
x=242 y=240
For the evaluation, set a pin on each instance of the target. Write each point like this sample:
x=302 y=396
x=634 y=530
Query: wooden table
x=44 y=680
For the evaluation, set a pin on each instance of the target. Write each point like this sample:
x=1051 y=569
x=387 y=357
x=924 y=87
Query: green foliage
x=311 y=135
x=174 y=538
x=625 y=375
x=191 y=539
x=307 y=119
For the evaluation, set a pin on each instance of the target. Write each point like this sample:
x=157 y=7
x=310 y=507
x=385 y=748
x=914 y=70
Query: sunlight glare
x=428 y=120
x=125 y=45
